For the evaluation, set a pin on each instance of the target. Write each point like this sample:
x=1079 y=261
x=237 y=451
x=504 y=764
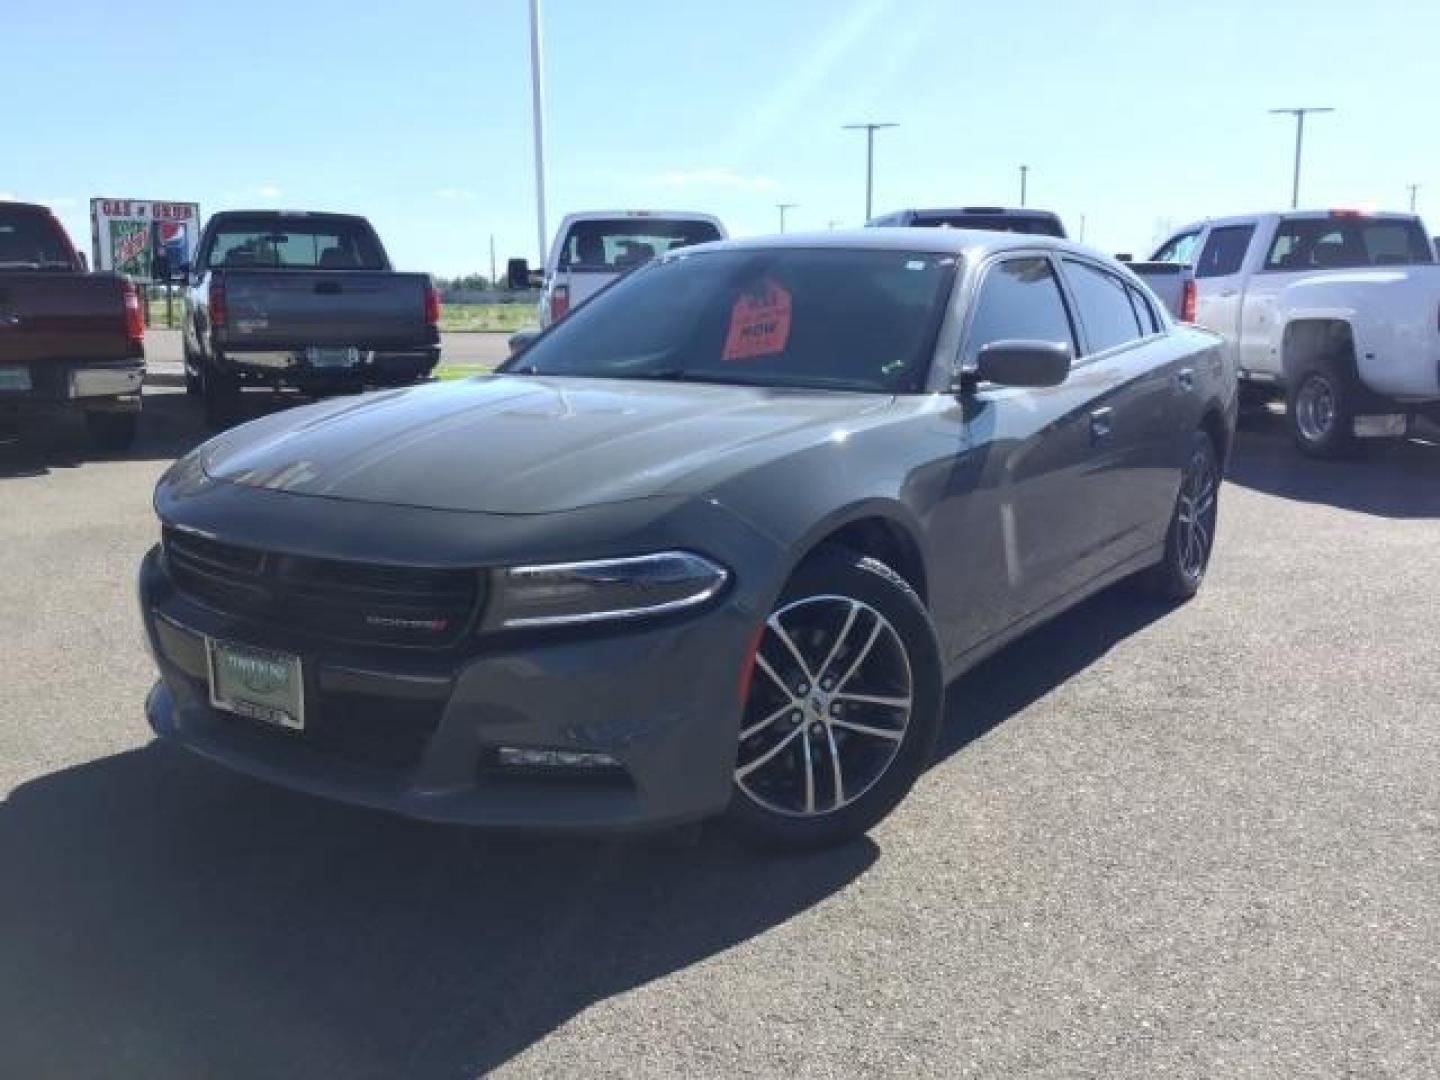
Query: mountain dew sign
x=142 y=237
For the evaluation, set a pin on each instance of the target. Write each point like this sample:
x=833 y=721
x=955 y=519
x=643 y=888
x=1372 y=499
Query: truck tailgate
x=61 y=316
x=1166 y=280
x=288 y=309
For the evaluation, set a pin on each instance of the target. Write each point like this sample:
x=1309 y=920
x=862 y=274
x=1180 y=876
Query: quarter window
x=1104 y=307
x=1224 y=251
x=1019 y=300
x=1149 y=324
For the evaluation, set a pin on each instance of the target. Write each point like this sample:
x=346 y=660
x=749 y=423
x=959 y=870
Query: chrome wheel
x=829 y=704
x=1315 y=408
x=1195 y=514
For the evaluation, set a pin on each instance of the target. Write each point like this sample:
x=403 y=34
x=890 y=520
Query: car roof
x=1292 y=215
x=969 y=242
x=271 y=212
x=984 y=211
x=639 y=215
x=34 y=208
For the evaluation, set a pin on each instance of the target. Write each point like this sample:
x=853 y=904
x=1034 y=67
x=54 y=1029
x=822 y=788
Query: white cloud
x=719 y=178
x=268 y=191
x=454 y=194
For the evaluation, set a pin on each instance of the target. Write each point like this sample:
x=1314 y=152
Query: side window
x=1019 y=300
x=1105 y=311
x=1149 y=324
x=1224 y=251
x=1178 y=249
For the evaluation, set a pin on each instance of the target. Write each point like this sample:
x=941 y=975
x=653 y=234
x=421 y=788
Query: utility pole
x=538 y=110
x=1414 y=189
x=1082 y=228
x=1024 y=176
x=782 y=207
x=869 y=129
x=1299 y=115
x=494 y=284
x=832 y=223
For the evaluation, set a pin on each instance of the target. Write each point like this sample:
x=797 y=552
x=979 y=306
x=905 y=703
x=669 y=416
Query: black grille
x=344 y=601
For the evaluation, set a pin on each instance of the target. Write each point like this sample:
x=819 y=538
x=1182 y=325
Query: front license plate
x=332 y=358
x=14 y=378
x=257 y=683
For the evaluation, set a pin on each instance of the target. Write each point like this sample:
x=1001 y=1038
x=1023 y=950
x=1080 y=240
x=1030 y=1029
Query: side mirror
x=522 y=340
x=1024 y=363
x=84 y=262
x=517 y=274
x=1124 y=256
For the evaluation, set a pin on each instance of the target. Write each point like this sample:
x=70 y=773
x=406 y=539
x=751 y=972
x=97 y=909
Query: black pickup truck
x=308 y=301
x=69 y=339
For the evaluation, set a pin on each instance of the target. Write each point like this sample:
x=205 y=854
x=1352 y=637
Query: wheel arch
x=1312 y=338
x=879 y=529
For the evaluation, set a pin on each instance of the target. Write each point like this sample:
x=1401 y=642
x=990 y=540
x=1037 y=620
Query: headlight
x=629 y=588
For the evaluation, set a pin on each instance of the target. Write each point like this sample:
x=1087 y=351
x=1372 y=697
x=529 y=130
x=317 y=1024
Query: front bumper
x=417 y=733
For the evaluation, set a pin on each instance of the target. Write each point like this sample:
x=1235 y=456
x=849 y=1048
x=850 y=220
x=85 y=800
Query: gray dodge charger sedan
x=711 y=545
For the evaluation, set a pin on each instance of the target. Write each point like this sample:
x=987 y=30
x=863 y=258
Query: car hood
x=527 y=444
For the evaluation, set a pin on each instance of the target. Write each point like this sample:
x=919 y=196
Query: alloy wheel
x=829 y=705
x=1195 y=515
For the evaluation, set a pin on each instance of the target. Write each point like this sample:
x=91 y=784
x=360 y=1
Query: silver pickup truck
x=1335 y=311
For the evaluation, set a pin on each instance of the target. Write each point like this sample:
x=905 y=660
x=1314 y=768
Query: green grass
x=454 y=318
x=447 y=372
x=501 y=318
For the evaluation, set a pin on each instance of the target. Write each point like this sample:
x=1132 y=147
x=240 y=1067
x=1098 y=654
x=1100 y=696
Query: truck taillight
x=559 y=302
x=134 y=319
x=432 y=304
x=1187 y=302
x=216 y=302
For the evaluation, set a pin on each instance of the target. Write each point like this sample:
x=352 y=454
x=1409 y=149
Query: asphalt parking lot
x=1192 y=843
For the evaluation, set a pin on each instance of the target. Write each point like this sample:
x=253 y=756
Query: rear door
x=1220 y=282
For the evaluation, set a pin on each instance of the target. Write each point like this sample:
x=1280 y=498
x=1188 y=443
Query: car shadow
x=1398 y=481
x=171 y=424
x=170 y=918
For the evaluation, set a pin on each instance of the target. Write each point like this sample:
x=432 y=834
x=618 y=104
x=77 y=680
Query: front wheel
x=1191 y=535
x=843 y=708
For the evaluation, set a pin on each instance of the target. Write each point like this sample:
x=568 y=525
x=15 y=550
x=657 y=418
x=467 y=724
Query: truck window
x=1105 y=309
x=1178 y=249
x=295 y=244
x=622 y=243
x=32 y=238
x=1224 y=251
x=1019 y=300
x=1331 y=243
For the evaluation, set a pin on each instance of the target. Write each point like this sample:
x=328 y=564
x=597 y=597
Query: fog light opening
x=523 y=758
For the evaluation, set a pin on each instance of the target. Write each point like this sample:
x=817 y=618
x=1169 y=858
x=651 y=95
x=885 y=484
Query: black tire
x=220 y=396
x=192 y=376
x=112 y=431
x=770 y=800
x=1320 y=406
x=1181 y=571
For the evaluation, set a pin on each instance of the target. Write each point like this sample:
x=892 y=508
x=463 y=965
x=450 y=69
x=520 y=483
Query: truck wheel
x=221 y=399
x=1320 y=409
x=1191 y=536
x=112 y=431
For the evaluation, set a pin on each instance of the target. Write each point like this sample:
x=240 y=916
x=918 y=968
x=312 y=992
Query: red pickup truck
x=69 y=339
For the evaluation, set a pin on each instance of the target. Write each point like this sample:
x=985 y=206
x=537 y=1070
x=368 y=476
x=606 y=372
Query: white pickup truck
x=594 y=247
x=1338 y=311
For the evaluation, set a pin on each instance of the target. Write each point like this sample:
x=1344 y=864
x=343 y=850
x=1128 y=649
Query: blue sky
x=1134 y=114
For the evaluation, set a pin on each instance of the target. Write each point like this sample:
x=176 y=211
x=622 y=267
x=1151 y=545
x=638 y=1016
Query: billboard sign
x=139 y=237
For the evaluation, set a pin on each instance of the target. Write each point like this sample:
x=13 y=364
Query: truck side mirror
x=517 y=274
x=1124 y=256
x=84 y=262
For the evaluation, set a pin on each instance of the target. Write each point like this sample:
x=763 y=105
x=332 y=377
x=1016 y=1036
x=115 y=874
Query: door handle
x=1185 y=380
x=1100 y=423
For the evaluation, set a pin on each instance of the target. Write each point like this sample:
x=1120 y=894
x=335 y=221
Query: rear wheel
x=1191 y=536
x=112 y=431
x=1320 y=409
x=843 y=708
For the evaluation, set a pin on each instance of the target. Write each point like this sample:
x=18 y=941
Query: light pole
x=538 y=107
x=782 y=207
x=1024 y=176
x=1414 y=190
x=1299 y=115
x=869 y=130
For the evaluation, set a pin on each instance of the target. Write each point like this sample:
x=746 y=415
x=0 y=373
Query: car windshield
x=623 y=243
x=299 y=244
x=823 y=318
x=29 y=238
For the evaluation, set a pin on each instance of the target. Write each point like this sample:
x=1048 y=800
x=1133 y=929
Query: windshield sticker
x=759 y=323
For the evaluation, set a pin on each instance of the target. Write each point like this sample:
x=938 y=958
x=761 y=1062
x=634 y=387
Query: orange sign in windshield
x=759 y=323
